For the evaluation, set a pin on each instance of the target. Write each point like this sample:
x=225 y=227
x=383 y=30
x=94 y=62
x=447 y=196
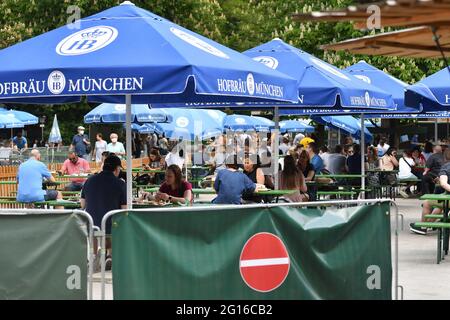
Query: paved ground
x=419 y=274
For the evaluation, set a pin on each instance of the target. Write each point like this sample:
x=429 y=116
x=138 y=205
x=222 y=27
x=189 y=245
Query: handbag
x=143 y=180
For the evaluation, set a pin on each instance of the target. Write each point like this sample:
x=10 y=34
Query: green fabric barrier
x=333 y=253
x=43 y=257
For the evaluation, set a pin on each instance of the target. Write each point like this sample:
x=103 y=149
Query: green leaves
x=238 y=24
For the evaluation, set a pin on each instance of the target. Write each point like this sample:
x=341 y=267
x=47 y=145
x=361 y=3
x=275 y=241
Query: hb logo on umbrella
x=87 y=41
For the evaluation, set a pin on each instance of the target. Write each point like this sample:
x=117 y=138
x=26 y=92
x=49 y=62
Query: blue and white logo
x=87 y=41
x=198 y=43
x=270 y=62
x=56 y=82
x=182 y=122
x=250 y=84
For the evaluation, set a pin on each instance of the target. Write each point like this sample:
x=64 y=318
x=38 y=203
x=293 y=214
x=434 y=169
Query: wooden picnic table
x=445 y=199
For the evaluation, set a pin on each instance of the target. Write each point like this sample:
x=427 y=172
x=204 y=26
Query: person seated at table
x=406 y=172
x=29 y=178
x=156 y=162
x=432 y=168
x=372 y=157
x=75 y=165
x=174 y=189
x=255 y=174
x=434 y=207
x=316 y=161
x=291 y=178
x=418 y=157
x=231 y=184
x=389 y=161
x=104 y=192
x=305 y=167
x=336 y=161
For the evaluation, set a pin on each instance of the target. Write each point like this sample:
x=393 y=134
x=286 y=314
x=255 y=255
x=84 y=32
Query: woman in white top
x=405 y=166
x=175 y=156
x=100 y=147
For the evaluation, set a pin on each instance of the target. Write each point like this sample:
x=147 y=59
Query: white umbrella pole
x=129 y=153
x=276 y=147
x=363 y=169
x=436 y=131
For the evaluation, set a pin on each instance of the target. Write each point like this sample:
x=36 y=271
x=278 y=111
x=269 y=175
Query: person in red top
x=174 y=189
x=75 y=165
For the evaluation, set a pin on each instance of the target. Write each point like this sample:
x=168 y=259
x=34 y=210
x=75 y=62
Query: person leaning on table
x=30 y=177
x=231 y=184
x=444 y=186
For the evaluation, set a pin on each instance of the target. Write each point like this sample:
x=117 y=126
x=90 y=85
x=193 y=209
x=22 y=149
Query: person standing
x=115 y=146
x=100 y=147
x=80 y=144
x=30 y=177
x=19 y=141
x=382 y=147
x=75 y=165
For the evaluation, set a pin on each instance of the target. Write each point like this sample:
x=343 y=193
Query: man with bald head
x=432 y=169
x=30 y=176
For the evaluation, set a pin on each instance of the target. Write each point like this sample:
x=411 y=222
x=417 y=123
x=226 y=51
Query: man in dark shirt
x=432 y=169
x=80 y=143
x=104 y=192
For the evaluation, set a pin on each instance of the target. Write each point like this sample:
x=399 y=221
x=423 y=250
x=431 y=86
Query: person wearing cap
x=104 y=192
x=306 y=141
x=80 y=144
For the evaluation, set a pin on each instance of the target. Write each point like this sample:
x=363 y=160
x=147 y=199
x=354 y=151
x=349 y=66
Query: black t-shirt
x=103 y=192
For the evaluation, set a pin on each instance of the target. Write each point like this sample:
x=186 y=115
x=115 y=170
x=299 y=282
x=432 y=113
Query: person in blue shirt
x=30 y=176
x=230 y=183
x=80 y=144
x=316 y=160
x=20 y=141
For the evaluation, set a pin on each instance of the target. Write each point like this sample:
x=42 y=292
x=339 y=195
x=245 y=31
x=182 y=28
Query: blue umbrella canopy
x=147 y=128
x=237 y=122
x=320 y=84
x=432 y=93
x=295 y=126
x=189 y=124
x=25 y=117
x=126 y=50
x=388 y=83
x=348 y=124
x=116 y=113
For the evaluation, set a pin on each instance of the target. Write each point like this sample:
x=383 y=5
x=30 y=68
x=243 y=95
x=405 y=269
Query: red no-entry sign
x=264 y=262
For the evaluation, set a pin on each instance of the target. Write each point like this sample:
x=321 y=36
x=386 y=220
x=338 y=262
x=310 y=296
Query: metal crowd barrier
x=90 y=231
x=343 y=203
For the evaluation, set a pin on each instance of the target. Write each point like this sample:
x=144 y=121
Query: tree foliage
x=239 y=24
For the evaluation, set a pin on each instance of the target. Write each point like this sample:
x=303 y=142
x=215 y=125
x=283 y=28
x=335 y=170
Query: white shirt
x=284 y=148
x=298 y=138
x=384 y=148
x=404 y=171
x=100 y=147
x=174 y=158
x=325 y=157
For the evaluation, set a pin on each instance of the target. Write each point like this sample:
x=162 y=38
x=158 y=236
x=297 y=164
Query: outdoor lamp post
x=42 y=121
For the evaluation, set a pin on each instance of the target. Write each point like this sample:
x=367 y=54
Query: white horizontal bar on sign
x=264 y=262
